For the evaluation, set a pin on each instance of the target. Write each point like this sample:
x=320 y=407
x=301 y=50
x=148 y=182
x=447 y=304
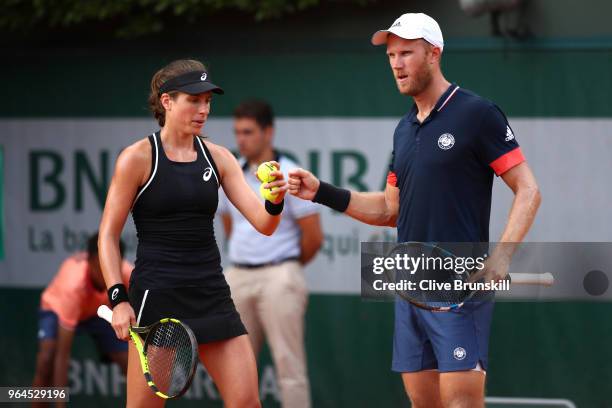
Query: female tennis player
x=170 y=182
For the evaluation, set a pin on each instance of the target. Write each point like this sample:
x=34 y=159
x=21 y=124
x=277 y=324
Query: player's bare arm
x=240 y=194
x=527 y=199
x=131 y=171
x=374 y=208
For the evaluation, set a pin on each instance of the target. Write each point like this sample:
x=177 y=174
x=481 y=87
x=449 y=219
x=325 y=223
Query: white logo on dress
x=115 y=293
x=459 y=353
x=446 y=141
x=509 y=134
x=204 y=76
x=207 y=174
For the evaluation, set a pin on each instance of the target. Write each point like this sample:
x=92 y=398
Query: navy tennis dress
x=178 y=266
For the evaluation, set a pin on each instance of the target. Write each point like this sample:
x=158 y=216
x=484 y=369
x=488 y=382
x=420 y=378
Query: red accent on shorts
x=504 y=163
x=392 y=179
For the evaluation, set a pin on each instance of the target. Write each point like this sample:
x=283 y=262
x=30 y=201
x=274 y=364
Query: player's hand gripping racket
x=168 y=354
x=425 y=287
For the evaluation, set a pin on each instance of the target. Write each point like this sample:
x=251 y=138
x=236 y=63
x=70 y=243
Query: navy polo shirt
x=444 y=168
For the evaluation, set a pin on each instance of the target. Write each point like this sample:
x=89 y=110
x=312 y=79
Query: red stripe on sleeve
x=504 y=163
x=392 y=179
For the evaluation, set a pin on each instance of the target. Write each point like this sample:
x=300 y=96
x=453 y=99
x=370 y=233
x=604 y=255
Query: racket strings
x=426 y=283
x=170 y=355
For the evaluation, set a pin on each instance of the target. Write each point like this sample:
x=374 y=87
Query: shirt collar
x=440 y=104
x=446 y=96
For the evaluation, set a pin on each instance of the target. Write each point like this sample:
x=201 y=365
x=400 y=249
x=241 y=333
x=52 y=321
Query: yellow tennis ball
x=268 y=193
x=264 y=170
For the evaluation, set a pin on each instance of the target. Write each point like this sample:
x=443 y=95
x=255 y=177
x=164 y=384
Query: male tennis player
x=67 y=307
x=445 y=152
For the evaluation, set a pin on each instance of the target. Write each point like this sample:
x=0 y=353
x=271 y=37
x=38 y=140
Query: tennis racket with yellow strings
x=168 y=353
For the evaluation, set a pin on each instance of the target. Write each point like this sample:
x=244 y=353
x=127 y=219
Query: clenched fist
x=303 y=184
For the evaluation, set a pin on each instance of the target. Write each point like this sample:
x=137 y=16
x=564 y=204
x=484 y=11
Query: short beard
x=421 y=81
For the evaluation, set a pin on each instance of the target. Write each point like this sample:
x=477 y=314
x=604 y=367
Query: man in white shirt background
x=266 y=276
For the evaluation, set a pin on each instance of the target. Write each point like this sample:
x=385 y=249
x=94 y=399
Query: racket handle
x=106 y=313
x=543 y=279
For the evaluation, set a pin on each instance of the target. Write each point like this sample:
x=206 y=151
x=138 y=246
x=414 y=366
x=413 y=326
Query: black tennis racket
x=439 y=284
x=168 y=353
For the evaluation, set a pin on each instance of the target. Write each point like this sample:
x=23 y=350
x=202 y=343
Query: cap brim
x=201 y=87
x=380 y=37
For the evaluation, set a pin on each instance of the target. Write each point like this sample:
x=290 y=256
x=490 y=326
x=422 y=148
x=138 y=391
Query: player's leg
x=423 y=388
x=284 y=329
x=245 y=287
x=414 y=358
x=47 y=334
x=462 y=389
x=460 y=341
x=139 y=394
x=231 y=364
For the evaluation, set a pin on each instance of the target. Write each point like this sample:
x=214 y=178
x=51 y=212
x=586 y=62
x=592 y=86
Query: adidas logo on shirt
x=509 y=134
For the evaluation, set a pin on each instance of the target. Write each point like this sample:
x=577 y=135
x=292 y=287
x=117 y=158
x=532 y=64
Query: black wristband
x=335 y=198
x=117 y=294
x=274 y=209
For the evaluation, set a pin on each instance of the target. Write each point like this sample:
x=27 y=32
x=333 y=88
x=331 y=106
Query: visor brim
x=200 y=87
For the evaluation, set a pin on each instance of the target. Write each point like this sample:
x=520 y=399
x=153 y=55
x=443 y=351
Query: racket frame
x=136 y=334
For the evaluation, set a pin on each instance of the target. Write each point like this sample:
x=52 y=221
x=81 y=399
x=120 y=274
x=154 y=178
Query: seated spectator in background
x=68 y=306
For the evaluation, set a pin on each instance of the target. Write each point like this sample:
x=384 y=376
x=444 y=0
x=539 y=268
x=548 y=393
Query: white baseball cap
x=412 y=26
